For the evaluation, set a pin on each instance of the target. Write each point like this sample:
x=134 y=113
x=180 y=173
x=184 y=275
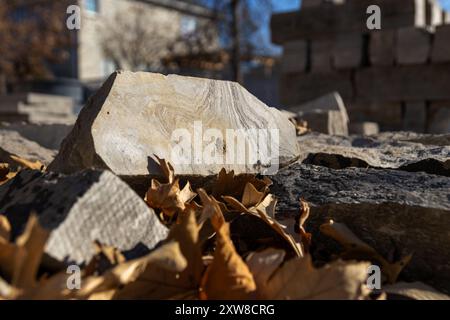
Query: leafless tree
x=33 y=34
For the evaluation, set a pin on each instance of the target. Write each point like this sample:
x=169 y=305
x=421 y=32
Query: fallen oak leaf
x=275 y=225
x=5 y=173
x=186 y=233
x=154 y=276
x=251 y=197
x=227 y=277
x=33 y=240
x=356 y=249
x=168 y=197
x=263 y=264
x=167 y=169
x=270 y=201
x=34 y=165
x=298 y=279
x=228 y=184
x=105 y=257
x=5 y=229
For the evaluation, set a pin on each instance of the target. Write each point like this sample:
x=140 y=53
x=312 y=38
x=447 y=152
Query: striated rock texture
x=12 y=142
x=134 y=115
x=79 y=209
x=388 y=209
x=338 y=152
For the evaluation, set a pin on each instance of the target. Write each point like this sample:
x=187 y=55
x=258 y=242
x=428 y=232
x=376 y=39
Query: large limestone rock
x=339 y=152
x=79 y=209
x=387 y=208
x=133 y=116
x=12 y=142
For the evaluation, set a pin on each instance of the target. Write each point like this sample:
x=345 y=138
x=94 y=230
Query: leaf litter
x=225 y=242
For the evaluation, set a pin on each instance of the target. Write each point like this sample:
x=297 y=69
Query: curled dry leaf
x=33 y=242
x=167 y=169
x=34 y=165
x=186 y=233
x=104 y=258
x=298 y=279
x=5 y=173
x=414 y=291
x=5 y=229
x=264 y=264
x=155 y=276
x=228 y=277
x=265 y=210
x=227 y=184
x=168 y=197
x=356 y=249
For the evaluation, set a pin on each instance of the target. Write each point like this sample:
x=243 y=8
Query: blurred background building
x=397 y=77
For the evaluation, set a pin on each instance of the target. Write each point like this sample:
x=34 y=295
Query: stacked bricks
x=398 y=76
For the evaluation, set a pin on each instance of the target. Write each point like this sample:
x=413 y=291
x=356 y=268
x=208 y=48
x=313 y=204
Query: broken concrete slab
x=49 y=136
x=357 y=151
x=137 y=115
x=326 y=114
x=12 y=142
x=388 y=209
x=79 y=209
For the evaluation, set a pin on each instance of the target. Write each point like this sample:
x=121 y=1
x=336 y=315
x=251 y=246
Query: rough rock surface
x=79 y=209
x=132 y=117
x=339 y=152
x=387 y=208
x=425 y=139
x=12 y=142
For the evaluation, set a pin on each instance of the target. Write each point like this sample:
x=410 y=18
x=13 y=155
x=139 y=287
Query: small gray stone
x=79 y=209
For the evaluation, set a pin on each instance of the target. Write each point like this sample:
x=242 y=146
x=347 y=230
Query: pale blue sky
x=286 y=5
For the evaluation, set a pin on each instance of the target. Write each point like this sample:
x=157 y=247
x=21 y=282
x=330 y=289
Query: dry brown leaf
x=168 y=197
x=186 y=233
x=251 y=197
x=227 y=184
x=264 y=210
x=297 y=247
x=5 y=173
x=7 y=291
x=157 y=276
x=167 y=169
x=356 y=249
x=5 y=229
x=33 y=240
x=228 y=277
x=263 y=264
x=105 y=257
x=4 y=170
x=36 y=165
x=297 y=279
x=415 y=291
